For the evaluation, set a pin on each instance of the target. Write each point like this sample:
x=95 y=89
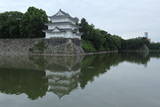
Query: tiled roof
x=59 y=30
x=62 y=14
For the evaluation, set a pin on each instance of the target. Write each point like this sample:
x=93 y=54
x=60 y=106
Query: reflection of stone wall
x=19 y=62
x=63 y=63
x=52 y=63
x=40 y=46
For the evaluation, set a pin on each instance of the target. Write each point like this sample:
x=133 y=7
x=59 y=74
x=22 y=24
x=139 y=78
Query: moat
x=106 y=80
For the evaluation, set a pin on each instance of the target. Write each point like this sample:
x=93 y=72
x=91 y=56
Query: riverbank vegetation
x=32 y=23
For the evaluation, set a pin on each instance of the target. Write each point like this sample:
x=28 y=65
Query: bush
x=88 y=46
x=154 y=46
x=135 y=43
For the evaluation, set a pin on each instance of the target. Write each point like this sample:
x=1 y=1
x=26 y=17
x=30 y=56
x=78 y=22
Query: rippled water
x=111 y=80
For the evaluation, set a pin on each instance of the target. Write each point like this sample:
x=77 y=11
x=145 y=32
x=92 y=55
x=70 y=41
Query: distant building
x=62 y=25
x=146 y=34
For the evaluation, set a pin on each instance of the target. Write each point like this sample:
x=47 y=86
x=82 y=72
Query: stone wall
x=54 y=46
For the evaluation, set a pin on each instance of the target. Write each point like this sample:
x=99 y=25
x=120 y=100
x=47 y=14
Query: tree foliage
x=103 y=41
x=19 y=25
x=154 y=46
x=10 y=24
x=33 y=23
x=100 y=39
x=136 y=43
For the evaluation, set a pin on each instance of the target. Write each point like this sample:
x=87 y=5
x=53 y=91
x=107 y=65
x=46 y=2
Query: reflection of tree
x=155 y=54
x=138 y=58
x=92 y=66
x=18 y=81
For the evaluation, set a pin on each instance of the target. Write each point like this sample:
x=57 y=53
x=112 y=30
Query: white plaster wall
x=63 y=20
x=62 y=35
x=50 y=35
x=65 y=26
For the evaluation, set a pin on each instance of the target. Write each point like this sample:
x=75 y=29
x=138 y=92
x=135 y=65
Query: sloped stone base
x=54 y=46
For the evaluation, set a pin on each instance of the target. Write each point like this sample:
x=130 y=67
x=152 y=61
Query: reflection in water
x=37 y=75
x=18 y=81
x=62 y=74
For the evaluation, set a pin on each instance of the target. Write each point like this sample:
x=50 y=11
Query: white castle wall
x=62 y=35
x=64 y=26
x=62 y=20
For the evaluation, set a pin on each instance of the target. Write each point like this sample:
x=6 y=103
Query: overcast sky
x=122 y=17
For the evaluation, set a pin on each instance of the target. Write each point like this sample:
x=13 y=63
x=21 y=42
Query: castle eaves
x=62 y=14
x=62 y=23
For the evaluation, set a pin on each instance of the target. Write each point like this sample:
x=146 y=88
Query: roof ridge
x=64 y=12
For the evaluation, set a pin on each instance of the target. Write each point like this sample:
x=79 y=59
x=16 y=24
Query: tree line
x=100 y=40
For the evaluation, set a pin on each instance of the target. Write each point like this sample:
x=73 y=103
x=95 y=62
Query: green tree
x=33 y=23
x=100 y=39
x=135 y=43
x=154 y=46
x=10 y=24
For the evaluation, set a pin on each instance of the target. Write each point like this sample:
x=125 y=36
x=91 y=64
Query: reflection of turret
x=62 y=74
x=62 y=83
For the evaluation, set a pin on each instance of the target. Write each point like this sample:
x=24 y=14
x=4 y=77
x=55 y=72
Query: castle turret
x=62 y=25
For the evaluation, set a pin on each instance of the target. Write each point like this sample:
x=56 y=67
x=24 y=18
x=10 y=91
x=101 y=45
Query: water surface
x=111 y=80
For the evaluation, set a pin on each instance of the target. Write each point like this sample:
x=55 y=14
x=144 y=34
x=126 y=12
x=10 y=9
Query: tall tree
x=10 y=24
x=33 y=23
